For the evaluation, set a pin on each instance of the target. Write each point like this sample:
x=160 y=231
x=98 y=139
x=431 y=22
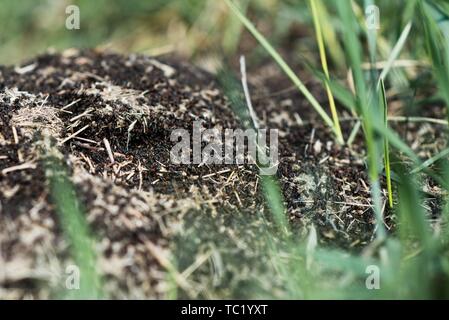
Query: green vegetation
x=414 y=263
x=414 y=259
x=76 y=231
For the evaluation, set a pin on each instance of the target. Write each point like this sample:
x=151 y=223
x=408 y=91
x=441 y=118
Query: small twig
x=14 y=133
x=394 y=119
x=73 y=135
x=215 y=173
x=87 y=140
x=89 y=147
x=139 y=167
x=92 y=169
x=23 y=166
x=238 y=198
x=246 y=91
x=108 y=149
x=16 y=141
x=417 y=119
x=130 y=128
x=195 y=265
x=70 y=104
x=81 y=115
x=353 y=204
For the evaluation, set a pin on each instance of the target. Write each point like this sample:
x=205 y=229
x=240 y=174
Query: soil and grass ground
x=164 y=230
x=86 y=181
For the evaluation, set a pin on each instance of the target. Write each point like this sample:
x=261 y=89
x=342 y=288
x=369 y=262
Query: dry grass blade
x=284 y=66
x=320 y=40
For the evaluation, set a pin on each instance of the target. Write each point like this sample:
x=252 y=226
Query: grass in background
x=366 y=105
x=386 y=146
x=435 y=20
x=411 y=266
x=317 y=20
x=284 y=66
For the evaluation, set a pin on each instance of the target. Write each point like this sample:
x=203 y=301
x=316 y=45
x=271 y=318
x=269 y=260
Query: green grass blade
x=371 y=34
x=386 y=146
x=364 y=104
x=412 y=221
x=443 y=154
x=436 y=31
x=396 y=51
x=76 y=231
x=281 y=62
x=274 y=198
x=340 y=92
x=330 y=35
x=320 y=41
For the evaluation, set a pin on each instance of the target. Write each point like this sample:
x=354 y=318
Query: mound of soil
x=109 y=118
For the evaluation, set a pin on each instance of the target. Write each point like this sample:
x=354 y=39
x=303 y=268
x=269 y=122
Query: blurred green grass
x=29 y=27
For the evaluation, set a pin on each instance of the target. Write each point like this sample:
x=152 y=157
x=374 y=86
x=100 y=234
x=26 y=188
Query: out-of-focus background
x=153 y=27
x=198 y=30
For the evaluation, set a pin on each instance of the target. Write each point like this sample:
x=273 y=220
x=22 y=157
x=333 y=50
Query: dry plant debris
x=111 y=117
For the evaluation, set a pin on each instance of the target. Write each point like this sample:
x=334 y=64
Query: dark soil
x=142 y=208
